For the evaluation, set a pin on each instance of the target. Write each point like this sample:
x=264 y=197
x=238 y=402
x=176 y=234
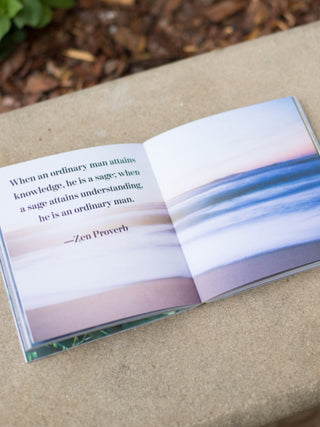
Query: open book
x=99 y=240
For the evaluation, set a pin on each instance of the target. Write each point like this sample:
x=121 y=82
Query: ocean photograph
x=225 y=202
x=250 y=226
x=243 y=192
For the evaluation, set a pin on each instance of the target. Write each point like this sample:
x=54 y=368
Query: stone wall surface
x=243 y=361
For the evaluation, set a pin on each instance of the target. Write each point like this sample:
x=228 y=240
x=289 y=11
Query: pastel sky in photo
x=215 y=147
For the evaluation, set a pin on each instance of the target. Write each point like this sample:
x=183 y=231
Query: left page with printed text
x=88 y=242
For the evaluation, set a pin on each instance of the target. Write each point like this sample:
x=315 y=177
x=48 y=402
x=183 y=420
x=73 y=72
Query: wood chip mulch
x=101 y=40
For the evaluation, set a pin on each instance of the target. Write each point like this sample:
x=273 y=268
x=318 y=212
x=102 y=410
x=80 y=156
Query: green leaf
x=46 y=16
x=14 y=6
x=64 y=4
x=5 y=25
x=31 y=14
x=3 y=6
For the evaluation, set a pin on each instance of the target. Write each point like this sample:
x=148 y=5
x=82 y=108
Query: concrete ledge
x=242 y=361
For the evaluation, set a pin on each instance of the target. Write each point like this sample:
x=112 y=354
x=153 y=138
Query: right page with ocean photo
x=243 y=191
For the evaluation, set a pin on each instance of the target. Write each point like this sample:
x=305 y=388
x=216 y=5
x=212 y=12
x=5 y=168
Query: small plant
x=16 y=14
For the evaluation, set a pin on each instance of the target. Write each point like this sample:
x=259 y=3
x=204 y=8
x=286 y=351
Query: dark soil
x=101 y=40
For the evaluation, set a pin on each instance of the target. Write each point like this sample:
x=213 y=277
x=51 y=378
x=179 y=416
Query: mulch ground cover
x=100 y=40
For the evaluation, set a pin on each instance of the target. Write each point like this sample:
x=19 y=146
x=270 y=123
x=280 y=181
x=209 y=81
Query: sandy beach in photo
x=226 y=278
x=97 y=310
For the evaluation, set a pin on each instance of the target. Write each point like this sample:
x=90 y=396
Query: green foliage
x=16 y=14
x=4 y=25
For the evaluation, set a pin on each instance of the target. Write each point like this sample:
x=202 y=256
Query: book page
x=90 y=241
x=243 y=191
